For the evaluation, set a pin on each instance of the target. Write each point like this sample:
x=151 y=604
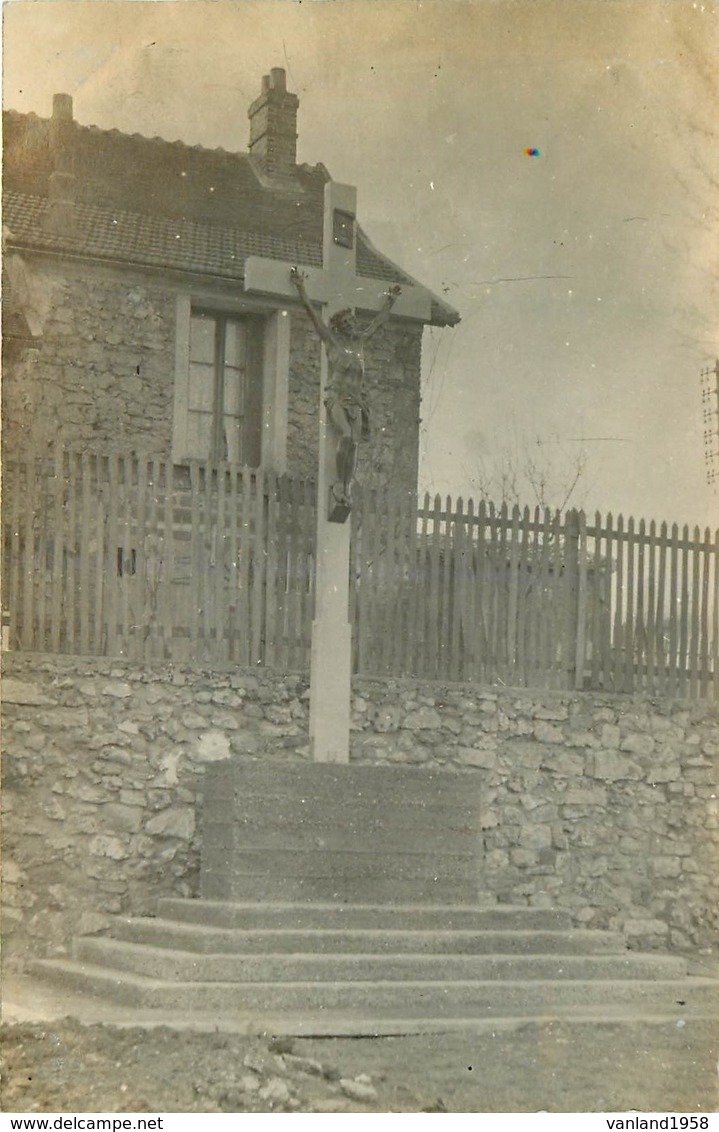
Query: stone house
x=127 y=325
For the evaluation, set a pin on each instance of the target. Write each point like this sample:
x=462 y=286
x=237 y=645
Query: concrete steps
x=203 y=939
x=346 y=964
x=384 y=1001
x=344 y=899
x=306 y=966
x=412 y=917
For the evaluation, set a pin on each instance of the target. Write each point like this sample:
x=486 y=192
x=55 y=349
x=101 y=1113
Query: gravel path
x=554 y=1066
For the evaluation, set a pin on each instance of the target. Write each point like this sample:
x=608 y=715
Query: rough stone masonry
x=602 y=804
x=107 y=367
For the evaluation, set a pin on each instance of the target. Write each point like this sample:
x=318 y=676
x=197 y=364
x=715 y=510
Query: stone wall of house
x=604 y=805
x=104 y=375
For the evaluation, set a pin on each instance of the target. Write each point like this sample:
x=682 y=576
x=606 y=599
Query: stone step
x=184 y=966
x=385 y=1000
x=292 y=834
x=331 y=914
x=222 y=882
x=203 y=939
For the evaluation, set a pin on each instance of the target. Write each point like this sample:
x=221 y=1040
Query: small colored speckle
x=532 y=152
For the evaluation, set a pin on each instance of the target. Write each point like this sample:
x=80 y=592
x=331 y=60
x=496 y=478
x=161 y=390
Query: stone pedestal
x=363 y=834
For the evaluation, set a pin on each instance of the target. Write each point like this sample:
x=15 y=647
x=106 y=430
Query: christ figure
x=345 y=394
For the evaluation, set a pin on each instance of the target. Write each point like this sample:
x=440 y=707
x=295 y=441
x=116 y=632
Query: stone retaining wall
x=605 y=805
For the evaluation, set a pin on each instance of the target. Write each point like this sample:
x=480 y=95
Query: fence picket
x=556 y=662
x=704 y=639
x=468 y=623
x=208 y=560
x=196 y=564
x=618 y=637
x=243 y=555
x=606 y=590
x=295 y=572
x=694 y=614
x=169 y=590
x=85 y=550
x=406 y=551
x=434 y=636
x=420 y=586
x=444 y=655
x=231 y=564
x=639 y=664
x=501 y=596
x=385 y=579
x=715 y=619
x=14 y=570
x=544 y=598
x=283 y=577
x=521 y=612
x=307 y=604
x=58 y=523
x=512 y=599
x=683 y=616
x=271 y=570
x=491 y=597
x=661 y=646
x=111 y=558
x=136 y=566
x=479 y=623
x=258 y=595
x=534 y=603
x=672 y=675
x=650 y=630
x=581 y=604
x=628 y=624
x=458 y=590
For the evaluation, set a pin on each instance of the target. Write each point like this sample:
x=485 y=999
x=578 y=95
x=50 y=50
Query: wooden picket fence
x=112 y=555
x=130 y=556
x=536 y=598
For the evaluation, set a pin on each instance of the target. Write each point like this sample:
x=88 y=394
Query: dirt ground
x=66 y=1066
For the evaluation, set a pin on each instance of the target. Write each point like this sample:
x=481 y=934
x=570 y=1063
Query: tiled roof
x=152 y=241
x=165 y=204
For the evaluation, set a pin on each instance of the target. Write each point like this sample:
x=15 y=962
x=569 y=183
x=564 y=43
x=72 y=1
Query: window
x=221 y=412
x=231 y=383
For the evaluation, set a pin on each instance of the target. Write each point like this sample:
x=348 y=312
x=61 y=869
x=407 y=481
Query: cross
x=335 y=286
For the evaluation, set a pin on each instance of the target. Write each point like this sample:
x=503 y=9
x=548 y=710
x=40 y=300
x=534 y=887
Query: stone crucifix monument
x=338 y=290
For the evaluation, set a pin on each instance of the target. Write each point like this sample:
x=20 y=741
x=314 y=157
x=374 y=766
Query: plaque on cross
x=335 y=287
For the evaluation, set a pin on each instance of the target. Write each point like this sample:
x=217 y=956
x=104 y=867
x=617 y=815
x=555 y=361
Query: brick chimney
x=60 y=215
x=273 y=126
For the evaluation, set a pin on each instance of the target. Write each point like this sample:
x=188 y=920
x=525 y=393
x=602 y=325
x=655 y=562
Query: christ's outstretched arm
x=383 y=316
x=299 y=281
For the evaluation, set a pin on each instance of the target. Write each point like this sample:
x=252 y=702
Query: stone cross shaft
x=335 y=286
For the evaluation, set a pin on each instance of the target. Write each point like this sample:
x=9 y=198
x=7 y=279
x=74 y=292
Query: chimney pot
x=62 y=107
x=273 y=126
x=60 y=214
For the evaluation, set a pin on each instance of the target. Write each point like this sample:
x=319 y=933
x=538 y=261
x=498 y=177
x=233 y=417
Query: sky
x=584 y=271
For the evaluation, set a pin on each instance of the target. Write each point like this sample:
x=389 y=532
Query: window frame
x=270 y=335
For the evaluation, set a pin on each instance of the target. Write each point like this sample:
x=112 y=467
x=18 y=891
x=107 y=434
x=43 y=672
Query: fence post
x=580 y=654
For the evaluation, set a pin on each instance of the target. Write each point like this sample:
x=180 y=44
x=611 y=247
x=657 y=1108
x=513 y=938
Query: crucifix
x=336 y=287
